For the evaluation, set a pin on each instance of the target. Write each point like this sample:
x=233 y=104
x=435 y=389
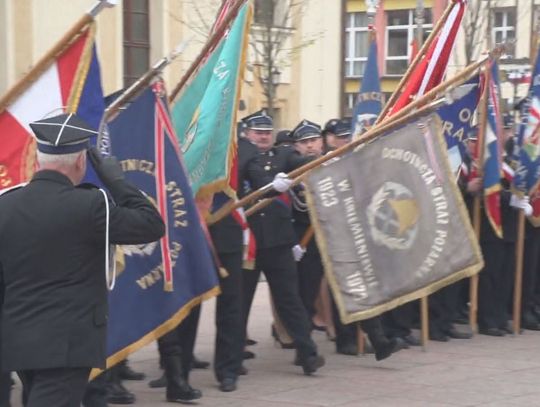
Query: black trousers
x=397 y=323
x=62 y=387
x=310 y=272
x=5 y=389
x=180 y=341
x=229 y=319
x=495 y=283
x=531 y=257
x=348 y=333
x=443 y=308
x=279 y=267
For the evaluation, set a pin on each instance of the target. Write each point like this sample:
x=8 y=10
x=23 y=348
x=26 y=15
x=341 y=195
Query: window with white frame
x=504 y=28
x=400 y=33
x=357 y=44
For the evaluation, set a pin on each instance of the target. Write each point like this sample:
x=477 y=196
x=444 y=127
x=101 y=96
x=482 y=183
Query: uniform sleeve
x=133 y=218
x=295 y=160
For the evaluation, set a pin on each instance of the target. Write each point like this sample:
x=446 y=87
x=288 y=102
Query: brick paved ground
x=484 y=371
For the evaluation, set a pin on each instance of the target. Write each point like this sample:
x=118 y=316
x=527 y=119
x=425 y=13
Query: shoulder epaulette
x=13 y=188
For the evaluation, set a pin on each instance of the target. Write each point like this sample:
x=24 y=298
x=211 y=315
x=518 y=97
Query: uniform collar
x=51 y=175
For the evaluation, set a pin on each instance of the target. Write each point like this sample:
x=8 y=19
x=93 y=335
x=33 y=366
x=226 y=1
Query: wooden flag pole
x=47 y=60
x=473 y=287
x=308 y=235
x=210 y=44
x=518 y=282
x=473 y=282
x=399 y=119
x=142 y=82
x=415 y=62
x=424 y=322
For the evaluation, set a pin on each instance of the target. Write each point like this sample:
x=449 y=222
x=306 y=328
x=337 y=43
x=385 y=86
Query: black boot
x=116 y=392
x=127 y=373
x=158 y=383
x=383 y=346
x=178 y=388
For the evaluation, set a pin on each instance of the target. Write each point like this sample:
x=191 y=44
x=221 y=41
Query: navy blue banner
x=157 y=283
x=457 y=121
x=369 y=101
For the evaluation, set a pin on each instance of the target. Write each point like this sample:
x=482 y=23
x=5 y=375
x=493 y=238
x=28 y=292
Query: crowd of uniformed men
x=294 y=272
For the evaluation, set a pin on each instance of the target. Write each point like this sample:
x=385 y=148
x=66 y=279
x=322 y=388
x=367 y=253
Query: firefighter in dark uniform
x=284 y=139
x=308 y=142
x=275 y=237
x=495 y=280
x=337 y=134
x=52 y=256
x=228 y=238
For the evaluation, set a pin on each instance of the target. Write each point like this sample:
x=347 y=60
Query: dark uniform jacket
x=227 y=234
x=52 y=257
x=272 y=226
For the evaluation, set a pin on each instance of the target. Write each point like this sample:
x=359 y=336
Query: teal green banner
x=205 y=115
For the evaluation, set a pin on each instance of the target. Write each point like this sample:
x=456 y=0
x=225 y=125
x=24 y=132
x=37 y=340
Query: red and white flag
x=432 y=67
x=59 y=88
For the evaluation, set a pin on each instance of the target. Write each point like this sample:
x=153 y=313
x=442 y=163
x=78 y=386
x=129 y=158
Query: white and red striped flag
x=432 y=67
x=72 y=83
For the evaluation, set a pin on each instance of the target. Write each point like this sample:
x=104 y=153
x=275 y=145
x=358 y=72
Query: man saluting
x=53 y=240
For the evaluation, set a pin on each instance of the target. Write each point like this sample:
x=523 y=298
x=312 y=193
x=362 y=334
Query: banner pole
x=415 y=62
x=45 y=62
x=396 y=120
x=143 y=81
x=474 y=281
x=424 y=318
x=473 y=287
x=518 y=283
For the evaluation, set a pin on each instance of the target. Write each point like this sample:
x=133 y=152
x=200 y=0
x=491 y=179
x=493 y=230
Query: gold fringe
x=422 y=292
x=158 y=332
x=248 y=265
x=82 y=70
x=168 y=287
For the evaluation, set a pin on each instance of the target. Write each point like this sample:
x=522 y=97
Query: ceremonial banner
x=432 y=68
x=457 y=121
x=491 y=139
x=72 y=83
x=205 y=115
x=157 y=283
x=390 y=222
x=528 y=138
x=370 y=98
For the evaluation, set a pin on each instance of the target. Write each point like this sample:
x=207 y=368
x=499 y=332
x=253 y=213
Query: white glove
x=281 y=182
x=298 y=252
x=521 y=203
x=527 y=209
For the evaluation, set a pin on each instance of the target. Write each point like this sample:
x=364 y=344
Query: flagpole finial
x=371 y=6
x=100 y=5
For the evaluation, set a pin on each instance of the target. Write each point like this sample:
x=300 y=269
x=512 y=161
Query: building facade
x=322 y=50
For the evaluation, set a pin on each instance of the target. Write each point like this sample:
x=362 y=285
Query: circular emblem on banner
x=393 y=216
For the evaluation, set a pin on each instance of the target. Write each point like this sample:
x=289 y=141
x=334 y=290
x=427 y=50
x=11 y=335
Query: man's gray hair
x=57 y=159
